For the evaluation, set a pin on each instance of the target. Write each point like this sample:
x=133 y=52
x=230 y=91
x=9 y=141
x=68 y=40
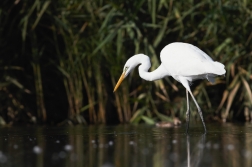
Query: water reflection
x=125 y=145
x=193 y=159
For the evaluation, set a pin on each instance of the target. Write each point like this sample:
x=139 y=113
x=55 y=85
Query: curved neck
x=159 y=73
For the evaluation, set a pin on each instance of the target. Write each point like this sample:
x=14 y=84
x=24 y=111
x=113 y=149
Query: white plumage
x=182 y=59
x=184 y=62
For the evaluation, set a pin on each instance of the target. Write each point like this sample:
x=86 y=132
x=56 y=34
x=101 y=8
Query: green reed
x=72 y=52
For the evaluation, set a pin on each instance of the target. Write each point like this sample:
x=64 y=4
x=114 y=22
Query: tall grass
x=64 y=58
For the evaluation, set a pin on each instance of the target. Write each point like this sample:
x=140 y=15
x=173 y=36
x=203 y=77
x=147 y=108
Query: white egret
x=184 y=62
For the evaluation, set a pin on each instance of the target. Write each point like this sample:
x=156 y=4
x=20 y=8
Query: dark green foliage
x=60 y=59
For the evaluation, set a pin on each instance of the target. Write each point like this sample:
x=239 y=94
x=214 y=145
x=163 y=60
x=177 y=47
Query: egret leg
x=187 y=112
x=199 y=111
x=185 y=83
x=188 y=151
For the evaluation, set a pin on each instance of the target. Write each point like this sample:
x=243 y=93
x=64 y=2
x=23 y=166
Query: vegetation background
x=59 y=60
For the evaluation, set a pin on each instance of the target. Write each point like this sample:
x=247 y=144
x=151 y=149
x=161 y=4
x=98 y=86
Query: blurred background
x=60 y=60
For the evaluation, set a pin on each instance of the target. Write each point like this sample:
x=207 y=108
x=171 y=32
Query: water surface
x=126 y=146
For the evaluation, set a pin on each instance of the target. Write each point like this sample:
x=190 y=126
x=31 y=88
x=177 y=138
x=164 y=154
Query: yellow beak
x=119 y=81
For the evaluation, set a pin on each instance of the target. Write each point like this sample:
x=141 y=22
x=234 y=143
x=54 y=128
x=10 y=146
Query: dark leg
x=199 y=111
x=188 y=151
x=187 y=112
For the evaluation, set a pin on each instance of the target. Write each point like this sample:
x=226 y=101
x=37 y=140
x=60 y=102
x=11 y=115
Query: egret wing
x=185 y=60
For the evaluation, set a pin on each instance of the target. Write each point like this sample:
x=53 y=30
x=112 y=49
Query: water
x=126 y=146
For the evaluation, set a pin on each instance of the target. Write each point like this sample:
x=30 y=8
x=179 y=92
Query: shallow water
x=126 y=146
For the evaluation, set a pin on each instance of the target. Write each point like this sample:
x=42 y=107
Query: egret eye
x=125 y=69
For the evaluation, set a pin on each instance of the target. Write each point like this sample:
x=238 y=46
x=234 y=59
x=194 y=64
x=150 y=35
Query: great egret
x=184 y=62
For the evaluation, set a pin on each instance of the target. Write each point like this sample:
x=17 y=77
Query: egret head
x=131 y=63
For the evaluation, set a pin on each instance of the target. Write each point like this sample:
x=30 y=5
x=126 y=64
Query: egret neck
x=153 y=75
